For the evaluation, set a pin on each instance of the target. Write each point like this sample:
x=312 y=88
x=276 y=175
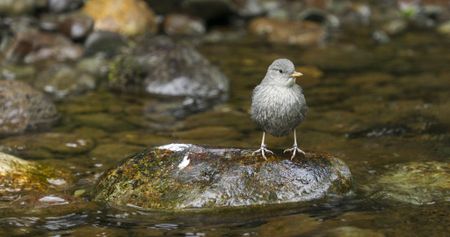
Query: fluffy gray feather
x=278 y=103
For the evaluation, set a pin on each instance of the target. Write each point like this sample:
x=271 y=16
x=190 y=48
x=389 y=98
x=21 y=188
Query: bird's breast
x=278 y=97
x=278 y=109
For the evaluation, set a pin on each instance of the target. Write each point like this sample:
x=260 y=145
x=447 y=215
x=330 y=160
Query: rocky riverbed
x=93 y=91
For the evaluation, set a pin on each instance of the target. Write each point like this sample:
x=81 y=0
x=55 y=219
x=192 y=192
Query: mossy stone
x=17 y=175
x=184 y=176
x=415 y=183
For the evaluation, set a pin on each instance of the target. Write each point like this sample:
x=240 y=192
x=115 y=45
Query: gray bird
x=278 y=104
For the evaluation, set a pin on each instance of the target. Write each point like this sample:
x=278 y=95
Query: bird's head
x=282 y=72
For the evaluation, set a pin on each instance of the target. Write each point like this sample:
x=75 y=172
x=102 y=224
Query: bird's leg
x=294 y=148
x=263 y=148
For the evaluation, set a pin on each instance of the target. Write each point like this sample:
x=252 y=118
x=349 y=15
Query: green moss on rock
x=414 y=183
x=18 y=175
x=179 y=176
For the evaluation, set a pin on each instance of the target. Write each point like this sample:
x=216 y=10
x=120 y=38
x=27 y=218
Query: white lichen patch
x=185 y=162
x=174 y=147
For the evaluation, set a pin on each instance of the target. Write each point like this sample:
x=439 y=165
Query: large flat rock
x=181 y=176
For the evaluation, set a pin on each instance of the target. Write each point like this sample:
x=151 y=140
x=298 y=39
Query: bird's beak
x=296 y=74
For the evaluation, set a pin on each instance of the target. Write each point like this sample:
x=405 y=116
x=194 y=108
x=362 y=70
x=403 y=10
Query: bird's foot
x=294 y=151
x=263 y=151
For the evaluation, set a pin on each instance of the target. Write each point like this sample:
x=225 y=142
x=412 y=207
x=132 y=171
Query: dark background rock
x=73 y=25
x=160 y=66
x=164 y=7
x=210 y=10
x=76 y=26
x=104 y=42
x=23 y=108
x=178 y=176
x=64 y=5
x=35 y=46
x=15 y=7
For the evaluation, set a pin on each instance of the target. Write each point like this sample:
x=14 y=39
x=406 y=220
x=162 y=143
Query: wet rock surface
x=23 y=108
x=416 y=183
x=19 y=175
x=180 y=176
x=163 y=67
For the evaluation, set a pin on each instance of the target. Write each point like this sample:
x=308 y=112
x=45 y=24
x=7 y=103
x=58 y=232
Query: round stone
x=180 y=176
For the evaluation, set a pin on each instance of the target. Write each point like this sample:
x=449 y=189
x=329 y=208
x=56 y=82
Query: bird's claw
x=263 y=150
x=294 y=151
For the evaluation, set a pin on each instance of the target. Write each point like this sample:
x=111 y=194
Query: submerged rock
x=289 y=226
x=24 y=108
x=61 y=81
x=444 y=28
x=351 y=231
x=47 y=145
x=179 y=176
x=381 y=131
x=128 y=17
x=18 y=175
x=163 y=67
x=414 y=182
x=222 y=9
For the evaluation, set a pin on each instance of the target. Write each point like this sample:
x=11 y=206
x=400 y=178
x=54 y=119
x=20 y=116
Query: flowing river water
x=372 y=105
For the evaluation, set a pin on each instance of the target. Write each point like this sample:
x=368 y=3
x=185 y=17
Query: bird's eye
x=280 y=71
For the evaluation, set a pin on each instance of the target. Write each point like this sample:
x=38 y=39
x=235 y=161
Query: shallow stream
x=372 y=105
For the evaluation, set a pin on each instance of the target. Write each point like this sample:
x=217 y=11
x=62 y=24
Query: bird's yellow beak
x=296 y=74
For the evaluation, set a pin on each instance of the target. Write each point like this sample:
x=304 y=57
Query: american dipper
x=278 y=104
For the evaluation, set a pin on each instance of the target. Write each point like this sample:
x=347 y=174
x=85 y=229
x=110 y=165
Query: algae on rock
x=180 y=176
x=18 y=175
x=415 y=183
